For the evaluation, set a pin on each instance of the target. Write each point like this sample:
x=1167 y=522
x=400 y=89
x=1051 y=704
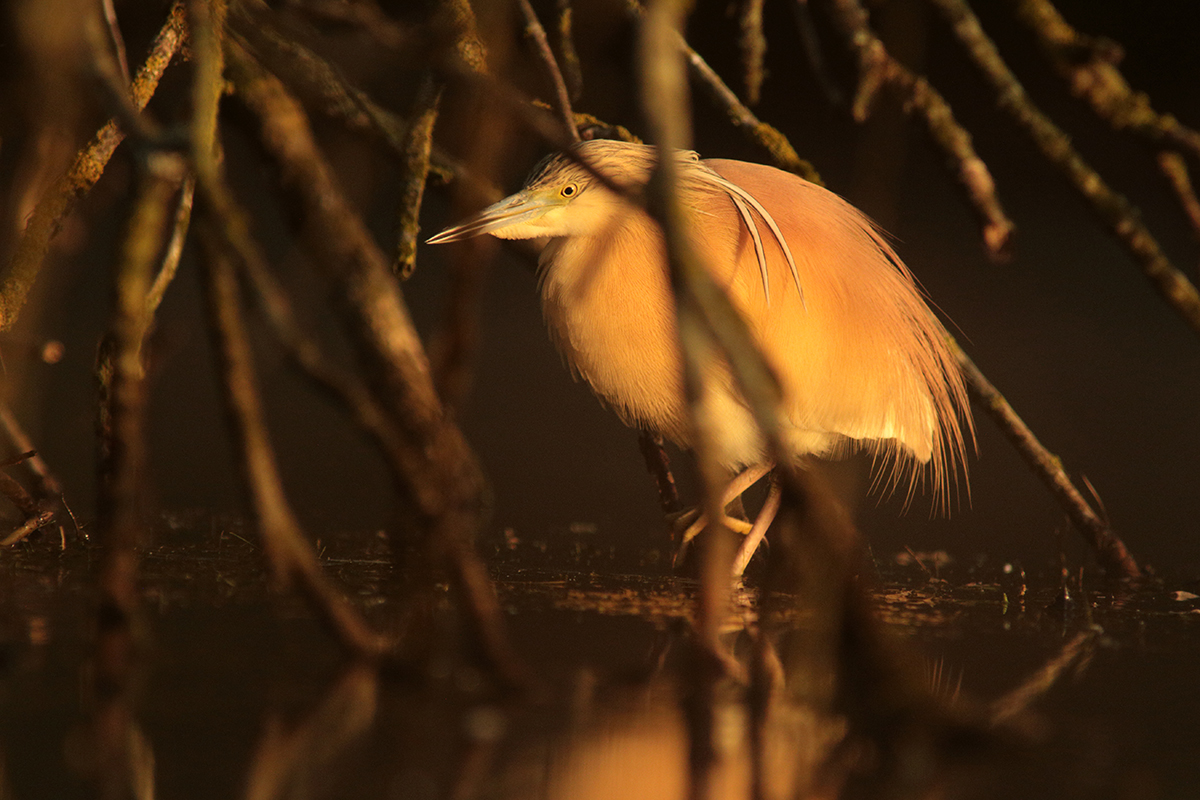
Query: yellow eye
x=570 y=190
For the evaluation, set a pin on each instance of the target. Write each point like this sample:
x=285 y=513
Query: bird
x=862 y=361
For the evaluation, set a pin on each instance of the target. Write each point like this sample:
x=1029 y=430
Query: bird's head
x=562 y=196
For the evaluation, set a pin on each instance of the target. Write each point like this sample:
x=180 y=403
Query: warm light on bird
x=862 y=361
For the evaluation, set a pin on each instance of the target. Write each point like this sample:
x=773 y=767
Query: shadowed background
x=1069 y=329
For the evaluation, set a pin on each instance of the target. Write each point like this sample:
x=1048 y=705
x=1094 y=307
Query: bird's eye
x=570 y=190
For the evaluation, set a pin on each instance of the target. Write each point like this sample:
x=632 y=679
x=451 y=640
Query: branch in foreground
x=1109 y=548
x=877 y=67
x=288 y=553
x=58 y=201
x=1122 y=217
x=438 y=470
x=783 y=155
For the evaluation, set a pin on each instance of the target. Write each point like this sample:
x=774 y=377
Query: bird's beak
x=513 y=210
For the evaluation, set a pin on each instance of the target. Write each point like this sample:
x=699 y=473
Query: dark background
x=1069 y=329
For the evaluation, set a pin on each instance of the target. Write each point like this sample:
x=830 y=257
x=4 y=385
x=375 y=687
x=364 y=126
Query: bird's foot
x=687 y=524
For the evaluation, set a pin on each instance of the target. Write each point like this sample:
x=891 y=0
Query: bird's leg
x=763 y=521
x=658 y=465
x=741 y=482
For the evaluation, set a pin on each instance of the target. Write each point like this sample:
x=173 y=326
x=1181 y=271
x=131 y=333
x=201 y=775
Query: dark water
x=233 y=666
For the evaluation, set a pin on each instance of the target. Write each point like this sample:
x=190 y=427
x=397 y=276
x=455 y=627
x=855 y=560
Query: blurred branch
x=1175 y=170
x=664 y=104
x=1109 y=548
x=1089 y=65
x=170 y=261
x=296 y=763
x=288 y=553
x=876 y=68
x=438 y=472
x=569 y=59
x=753 y=46
x=537 y=34
x=125 y=764
x=1073 y=656
x=122 y=465
x=468 y=46
x=312 y=77
x=1122 y=217
x=326 y=90
x=58 y=201
x=764 y=135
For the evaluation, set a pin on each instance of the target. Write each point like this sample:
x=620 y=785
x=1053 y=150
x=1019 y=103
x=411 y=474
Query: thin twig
x=877 y=68
x=1122 y=217
x=1089 y=65
x=1109 y=548
x=50 y=485
x=58 y=201
x=1175 y=169
x=764 y=135
x=117 y=40
x=38 y=512
x=537 y=35
x=174 y=252
x=417 y=150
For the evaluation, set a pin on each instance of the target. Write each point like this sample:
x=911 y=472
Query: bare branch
x=1089 y=65
x=439 y=472
x=569 y=59
x=877 y=68
x=174 y=252
x=1109 y=548
x=288 y=553
x=764 y=135
x=418 y=146
x=58 y=201
x=537 y=34
x=1120 y=216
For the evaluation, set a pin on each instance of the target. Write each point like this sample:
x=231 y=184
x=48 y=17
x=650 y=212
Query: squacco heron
x=862 y=361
